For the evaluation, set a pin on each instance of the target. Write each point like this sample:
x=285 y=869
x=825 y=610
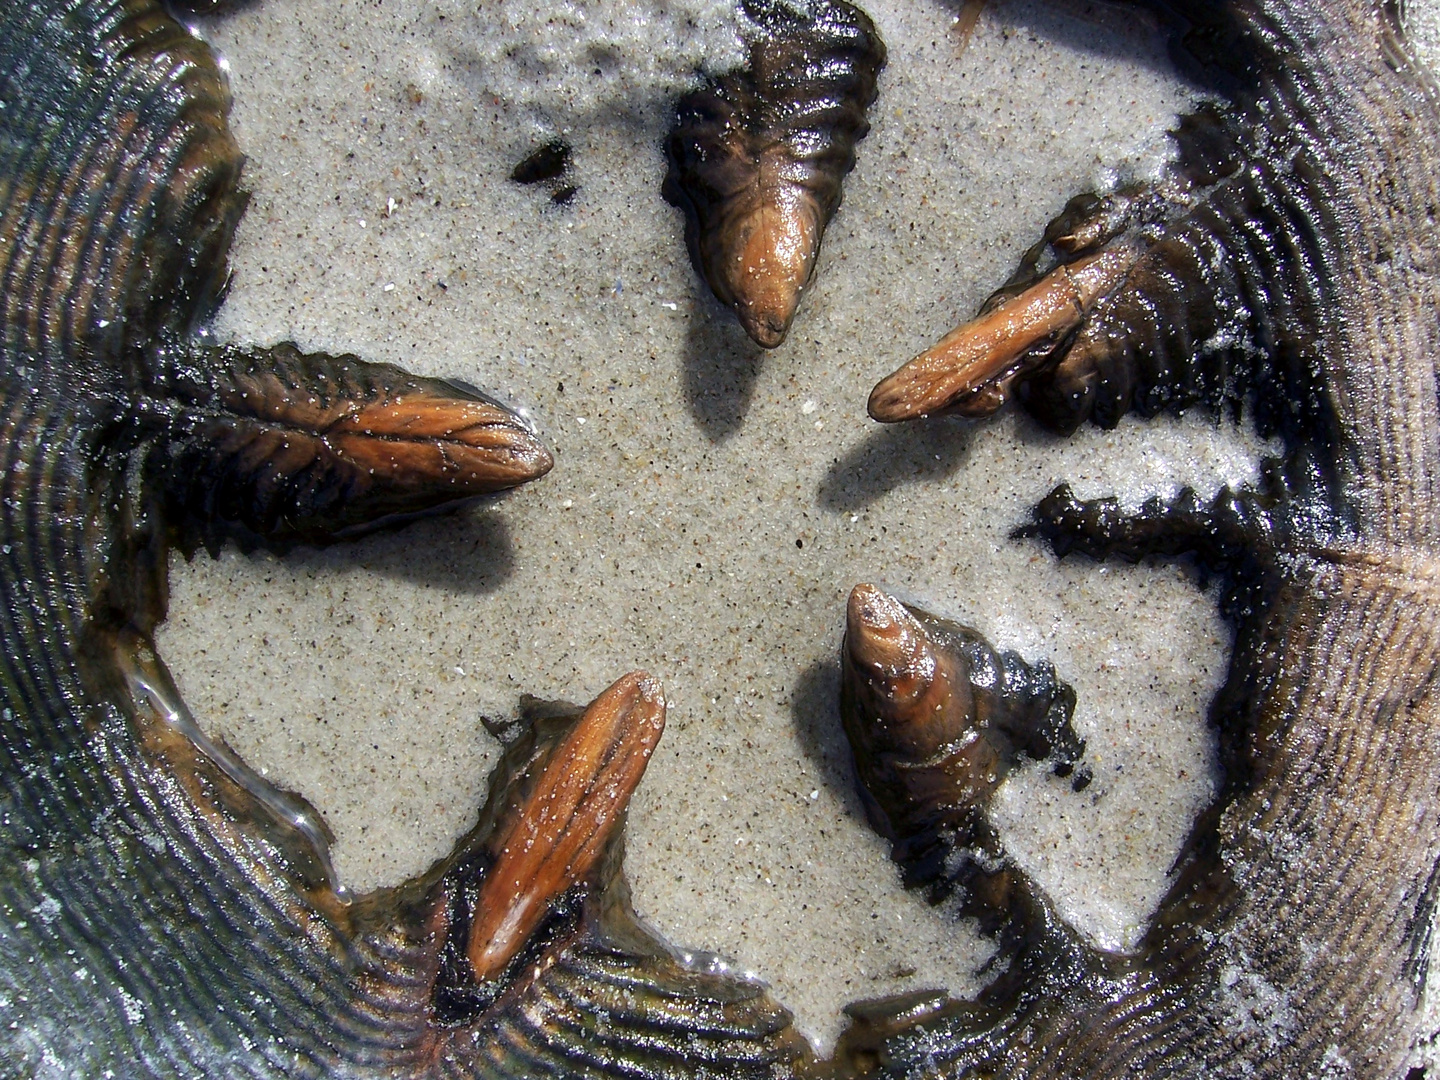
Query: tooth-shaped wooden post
x=757 y=156
x=288 y=446
x=937 y=718
x=972 y=368
x=556 y=836
x=910 y=715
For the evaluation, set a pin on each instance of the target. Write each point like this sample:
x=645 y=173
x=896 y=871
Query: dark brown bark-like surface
x=757 y=156
x=1286 y=267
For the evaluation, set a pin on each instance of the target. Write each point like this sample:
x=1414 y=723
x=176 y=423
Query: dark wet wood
x=554 y=839
x=1285 y=267
x=757 y=156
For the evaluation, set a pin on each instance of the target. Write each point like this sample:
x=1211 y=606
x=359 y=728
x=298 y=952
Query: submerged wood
x=757 y=156
x=1286 y=265
x=165 y=912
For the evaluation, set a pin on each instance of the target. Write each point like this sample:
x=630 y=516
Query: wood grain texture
x=1287 y=266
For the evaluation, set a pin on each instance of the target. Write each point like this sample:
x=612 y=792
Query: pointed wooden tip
x=914 y=698
x=764 y=261
x=467 y=445
x=971 y=370
x=887 y=647
x=883 y=639
x=557 y=835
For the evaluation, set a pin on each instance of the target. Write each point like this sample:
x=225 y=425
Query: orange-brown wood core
x=469 y=445
x=925 y=738
x=557 y=835
x=969 y=372
x=917 y=688
x=768 y=253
